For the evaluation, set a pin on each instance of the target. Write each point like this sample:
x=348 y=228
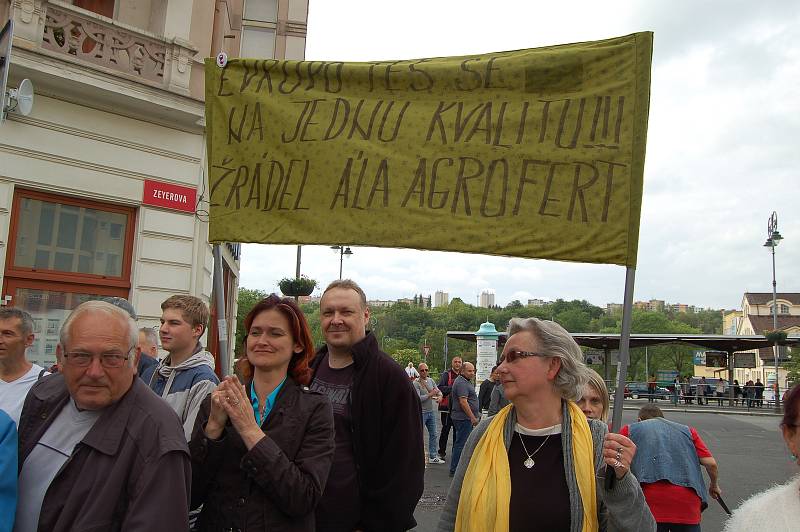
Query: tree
x=404 y=356
x=246 y=299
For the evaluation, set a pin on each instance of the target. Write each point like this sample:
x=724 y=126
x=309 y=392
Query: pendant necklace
x=529 y=463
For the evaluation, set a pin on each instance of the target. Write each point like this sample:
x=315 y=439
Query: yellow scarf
x=486 y=490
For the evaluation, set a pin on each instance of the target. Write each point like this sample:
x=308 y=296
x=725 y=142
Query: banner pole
x=624 y=354
x=219 y=301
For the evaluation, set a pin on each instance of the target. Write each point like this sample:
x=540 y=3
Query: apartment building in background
x=103 y=186
x=486 y=299
x=441 y=299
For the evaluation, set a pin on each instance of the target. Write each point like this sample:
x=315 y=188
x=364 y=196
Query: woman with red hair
x=261 y=452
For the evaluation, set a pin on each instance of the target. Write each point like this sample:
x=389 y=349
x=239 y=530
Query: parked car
x=635 y=390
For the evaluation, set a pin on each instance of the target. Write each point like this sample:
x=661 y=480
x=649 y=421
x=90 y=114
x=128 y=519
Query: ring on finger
x=619 y=450
x=617 y=464
x=618 y=456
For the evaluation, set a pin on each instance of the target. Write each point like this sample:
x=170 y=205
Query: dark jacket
x=130 y=472
x=485 y=394
x=387 y=438
x=275 y=485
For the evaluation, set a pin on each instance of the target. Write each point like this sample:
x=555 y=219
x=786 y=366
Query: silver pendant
x=529 y=463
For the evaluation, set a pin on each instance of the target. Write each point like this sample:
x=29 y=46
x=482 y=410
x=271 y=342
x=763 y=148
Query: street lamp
x=342 y=252
x=773 y=239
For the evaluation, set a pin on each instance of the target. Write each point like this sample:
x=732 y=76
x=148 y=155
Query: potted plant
x=776 y=336
x=297 y=286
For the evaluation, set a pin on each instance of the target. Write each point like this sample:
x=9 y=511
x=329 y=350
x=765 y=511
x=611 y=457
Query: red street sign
x=426 y=349
x=169 y=196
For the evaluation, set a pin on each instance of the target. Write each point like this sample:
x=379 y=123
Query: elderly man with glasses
x=97 y=447
x=428 y=395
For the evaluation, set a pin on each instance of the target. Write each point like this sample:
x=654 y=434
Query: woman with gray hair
x=538 y=460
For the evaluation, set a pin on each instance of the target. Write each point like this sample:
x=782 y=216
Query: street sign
x=426 y=349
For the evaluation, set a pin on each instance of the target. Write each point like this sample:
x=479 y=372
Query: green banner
x=532 y=153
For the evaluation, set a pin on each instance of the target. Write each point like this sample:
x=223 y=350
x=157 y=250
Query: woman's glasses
x=513 y=354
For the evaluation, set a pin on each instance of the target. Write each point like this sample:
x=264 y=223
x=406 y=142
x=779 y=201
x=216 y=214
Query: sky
x=723 y=147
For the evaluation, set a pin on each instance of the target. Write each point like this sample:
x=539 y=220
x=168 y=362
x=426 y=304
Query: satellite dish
x=22 y=97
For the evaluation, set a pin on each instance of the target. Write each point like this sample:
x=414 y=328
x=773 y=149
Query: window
x=783 y=309
x=259 y=25
x=66 y=251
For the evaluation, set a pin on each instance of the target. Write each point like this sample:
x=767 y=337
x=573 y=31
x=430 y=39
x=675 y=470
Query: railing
x=103 y=44
x=85 y=38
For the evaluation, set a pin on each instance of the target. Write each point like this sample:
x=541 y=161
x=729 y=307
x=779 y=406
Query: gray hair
x=597 y=382
x=556 y=342
x=25 y=320
x=150 y=335
x=348 y=284
x=109 y=310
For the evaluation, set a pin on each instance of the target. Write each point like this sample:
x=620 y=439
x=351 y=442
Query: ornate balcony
x=106 y=45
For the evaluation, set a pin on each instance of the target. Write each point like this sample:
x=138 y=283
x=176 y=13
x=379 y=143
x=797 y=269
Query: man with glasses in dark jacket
x=96 y=440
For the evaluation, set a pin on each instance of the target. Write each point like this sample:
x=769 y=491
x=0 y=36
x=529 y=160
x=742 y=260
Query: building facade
x=441 y=299
x=486 y=299
x=756 y=318
x=103 y=187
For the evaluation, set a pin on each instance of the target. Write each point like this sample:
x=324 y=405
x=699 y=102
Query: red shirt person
x=664 y=454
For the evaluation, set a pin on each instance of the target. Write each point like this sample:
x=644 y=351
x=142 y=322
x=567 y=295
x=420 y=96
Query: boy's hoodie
x=184 y=386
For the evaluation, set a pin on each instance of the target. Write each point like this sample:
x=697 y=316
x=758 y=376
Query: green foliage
x=793 y=365
x=246 y=300
x=404 y=328
x=297 y=286
x=404 y=356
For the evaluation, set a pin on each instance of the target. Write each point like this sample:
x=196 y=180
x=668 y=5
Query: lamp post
x=773 y=239
x=342 y=252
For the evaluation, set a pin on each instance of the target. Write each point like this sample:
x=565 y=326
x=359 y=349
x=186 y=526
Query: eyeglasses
x=514 y=354
x=107 y=360
x=422 y=370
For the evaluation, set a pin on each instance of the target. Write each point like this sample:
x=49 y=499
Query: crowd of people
x=331 y=439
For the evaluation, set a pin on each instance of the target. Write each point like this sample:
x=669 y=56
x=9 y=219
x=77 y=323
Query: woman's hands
x=231 y=402
x=618 y=452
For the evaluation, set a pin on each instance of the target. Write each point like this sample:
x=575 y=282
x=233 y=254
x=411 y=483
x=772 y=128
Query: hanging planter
x=776 y=337
x=297 y=286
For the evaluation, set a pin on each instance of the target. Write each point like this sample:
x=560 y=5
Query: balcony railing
x=102 y=44
x=110 y=46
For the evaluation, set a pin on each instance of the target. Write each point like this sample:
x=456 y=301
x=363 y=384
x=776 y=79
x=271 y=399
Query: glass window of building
x=66 y=251
x=259 y=25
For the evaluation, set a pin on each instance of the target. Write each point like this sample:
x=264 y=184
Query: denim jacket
x=665 y=451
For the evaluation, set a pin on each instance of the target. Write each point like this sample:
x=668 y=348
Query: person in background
x=668 y=460
x=498 y=399
x=687 y=391
x=446 y=380
x=429 y=394
x=594 y=402
x=778 y=508
x=485 y=392
x=148 y=344
x=759 y=392
x=8 y=472
x=96 y=440
x=676 y=390
x=411 y=371
x=539 y=460
x=465 y=412
x=17 y=374
x=378 y=470
x=701 y=390
x=737 y=392
x=651 y=389
x=186 y=375
x=261 y=453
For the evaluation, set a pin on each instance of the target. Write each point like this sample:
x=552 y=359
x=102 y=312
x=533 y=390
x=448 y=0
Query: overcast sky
x=722 y=153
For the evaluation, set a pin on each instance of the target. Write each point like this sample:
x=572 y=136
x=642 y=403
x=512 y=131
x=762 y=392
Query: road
x=749 y=449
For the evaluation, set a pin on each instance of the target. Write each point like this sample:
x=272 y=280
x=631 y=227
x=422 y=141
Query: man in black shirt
x=377 y=476
x=485 y=393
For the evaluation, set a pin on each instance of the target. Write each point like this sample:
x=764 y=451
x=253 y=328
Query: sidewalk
x=667 y=406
